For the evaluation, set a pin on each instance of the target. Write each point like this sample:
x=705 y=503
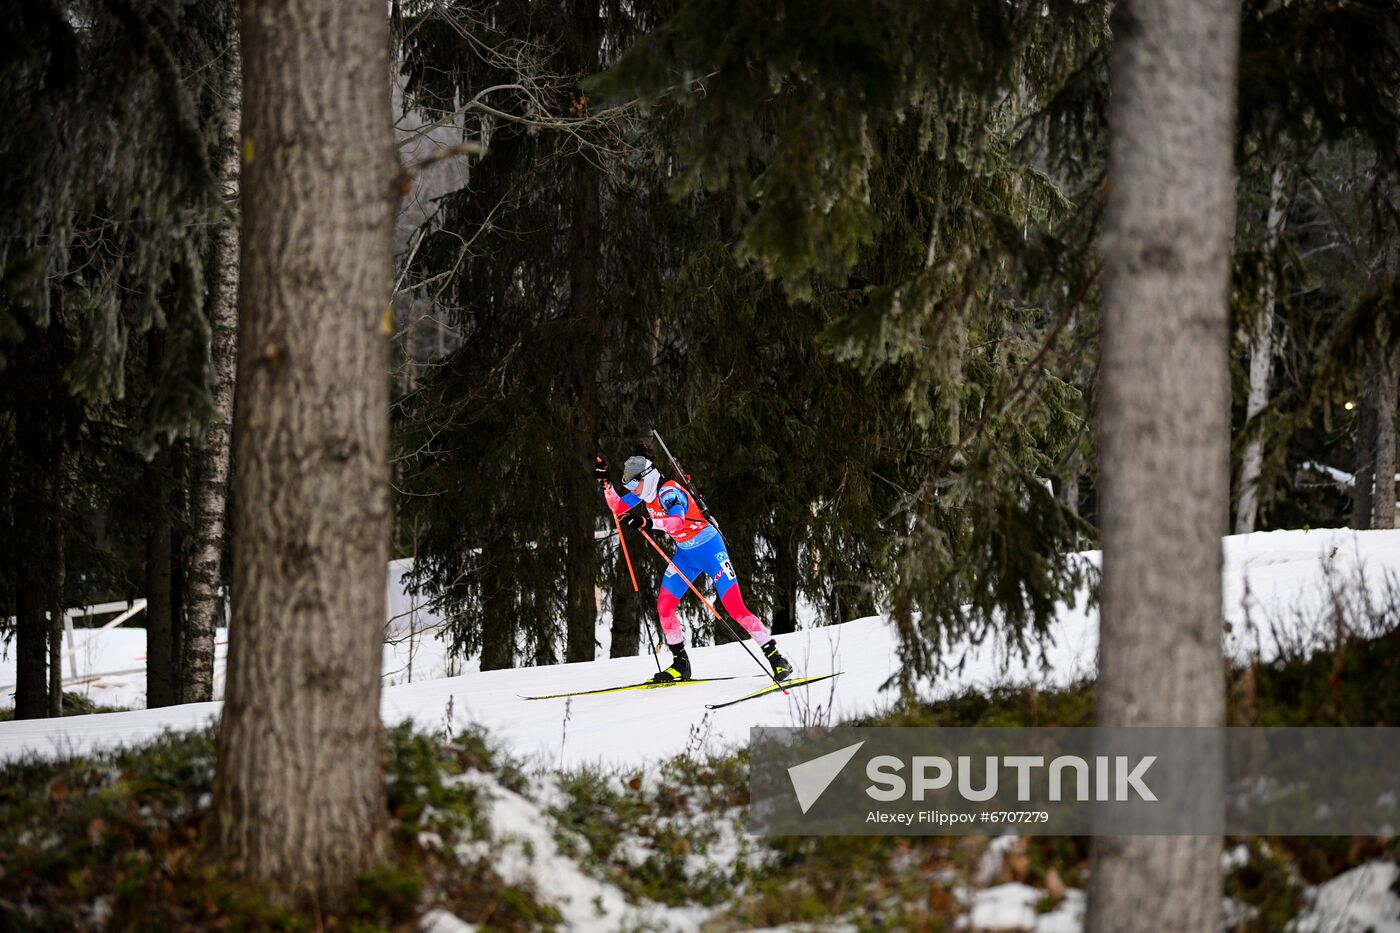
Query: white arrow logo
x=811 y=778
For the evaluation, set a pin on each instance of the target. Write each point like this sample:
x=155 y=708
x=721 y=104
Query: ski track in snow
x=1277 y=587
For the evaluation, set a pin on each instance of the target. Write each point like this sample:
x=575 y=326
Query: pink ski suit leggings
x=733 y=603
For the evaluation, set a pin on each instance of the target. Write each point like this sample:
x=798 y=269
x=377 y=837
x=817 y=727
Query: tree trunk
x=298 y=793
x=785 y=579
x=585 y=246
x=32 y=579
x=31 y=650
x=1067 y=487
x=1385 y=387
x=160 y=665
x=1261 y=357
x=627 y=618
x=498 y=613
x=210 y=499
x=1363 y=478
x=178 y=616
x=1165 y=404
x=581 y=569
x=58 y=604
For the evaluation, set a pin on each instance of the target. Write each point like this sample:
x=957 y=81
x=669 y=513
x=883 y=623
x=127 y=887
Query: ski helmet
x=635 y=468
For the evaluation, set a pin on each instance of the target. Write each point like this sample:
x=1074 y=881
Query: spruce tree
x=882 y=157
x=100 y=249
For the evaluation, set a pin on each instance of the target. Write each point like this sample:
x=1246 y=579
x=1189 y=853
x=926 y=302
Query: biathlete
x=700 y=552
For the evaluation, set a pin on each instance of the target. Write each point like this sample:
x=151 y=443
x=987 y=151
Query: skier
x=699 y=551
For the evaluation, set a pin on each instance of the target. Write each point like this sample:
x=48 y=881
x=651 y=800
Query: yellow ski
x=785 y=686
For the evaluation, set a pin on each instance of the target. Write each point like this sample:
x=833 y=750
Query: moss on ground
x=120 y=841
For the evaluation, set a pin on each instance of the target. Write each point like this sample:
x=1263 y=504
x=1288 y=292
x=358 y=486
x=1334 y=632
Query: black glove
x=600 y=471
x=636 y=520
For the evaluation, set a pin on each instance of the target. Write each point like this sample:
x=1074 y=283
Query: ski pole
x=651 y=639
x=626 y=556
x=743 y=638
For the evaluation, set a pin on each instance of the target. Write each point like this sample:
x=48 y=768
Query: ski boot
x=782 y=670
x=679 y=669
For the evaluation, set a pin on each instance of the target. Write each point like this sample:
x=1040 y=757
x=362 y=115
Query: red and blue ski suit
x=700 y=551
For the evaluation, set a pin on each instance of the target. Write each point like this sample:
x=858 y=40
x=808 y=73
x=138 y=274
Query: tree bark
x=160 y=665
x=1067 y=487
x=33 y=580
x=31 y=649
x=785 y=579
x=1165 y=469
x=1363 y=478
x=585 y=245
x=299 y=796
x=627 y=618
x=1261 y=358
x=210 y=499
x=58 y=604
x=498 y=626
x=178 y=588
x=1385 y=388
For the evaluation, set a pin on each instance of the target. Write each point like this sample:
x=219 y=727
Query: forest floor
x=628 y=811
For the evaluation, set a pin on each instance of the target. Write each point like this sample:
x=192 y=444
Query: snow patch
x=1012 y=907
x=1356 y=901
x=442 y=921
x=524 y=851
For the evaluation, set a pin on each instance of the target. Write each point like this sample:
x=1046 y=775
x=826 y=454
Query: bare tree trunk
x=1363 y=478
x=210 y=500
x=581 y=568
x=1165 y=474
x=178 y=589
x=498 y=626
x=32 y=581
x=160 y=665
x=1261 y=358
x=31 y=640
x=298 y=793
x=627 y=618
x=1385 y=388
x=1067 y=487
x=585 y=244
x=785 y=579
x=58 y=603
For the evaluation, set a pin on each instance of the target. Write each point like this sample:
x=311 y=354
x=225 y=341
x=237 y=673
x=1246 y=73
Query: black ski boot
x=782 y=670
x=679 y=669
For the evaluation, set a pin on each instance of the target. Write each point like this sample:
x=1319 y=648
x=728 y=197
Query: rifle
x=685 y=480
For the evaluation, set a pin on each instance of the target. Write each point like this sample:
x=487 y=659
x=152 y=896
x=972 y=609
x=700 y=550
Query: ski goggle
x=634 y=482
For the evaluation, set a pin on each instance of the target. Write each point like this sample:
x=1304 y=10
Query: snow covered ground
x=1280 y=588
x=1277 y=588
